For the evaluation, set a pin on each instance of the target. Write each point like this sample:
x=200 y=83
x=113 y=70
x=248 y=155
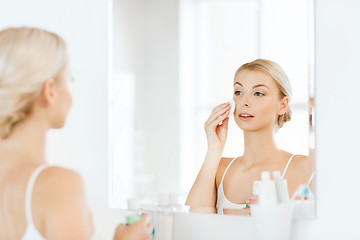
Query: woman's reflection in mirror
x=262 y=93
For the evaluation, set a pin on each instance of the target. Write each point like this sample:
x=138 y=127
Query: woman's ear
x=284 y=105
x=47 y=95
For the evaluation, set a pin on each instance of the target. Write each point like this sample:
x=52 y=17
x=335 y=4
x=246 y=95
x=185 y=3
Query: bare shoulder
x=224 y=162
x=59 y=183
x=62 y=176
x=303 y=162
x=61 y=203
x=301 y=168
x=299 y=172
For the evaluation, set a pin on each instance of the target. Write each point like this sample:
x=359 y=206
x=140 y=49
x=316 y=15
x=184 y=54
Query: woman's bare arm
x=203 y=192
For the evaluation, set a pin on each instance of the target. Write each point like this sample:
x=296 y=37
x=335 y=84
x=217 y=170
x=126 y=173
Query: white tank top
x=224 y=203
x=31 y=232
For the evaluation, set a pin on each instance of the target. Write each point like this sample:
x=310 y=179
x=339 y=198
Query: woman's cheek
x=268 y=110
x=266 y=107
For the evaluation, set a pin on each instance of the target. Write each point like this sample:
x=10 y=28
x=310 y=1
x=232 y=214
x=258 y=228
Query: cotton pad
x=232 y=107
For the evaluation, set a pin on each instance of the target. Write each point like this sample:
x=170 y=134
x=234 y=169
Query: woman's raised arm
x=203 y=192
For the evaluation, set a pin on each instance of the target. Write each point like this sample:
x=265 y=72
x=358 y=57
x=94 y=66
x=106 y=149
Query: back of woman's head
x=275 y=71
x=28 y=57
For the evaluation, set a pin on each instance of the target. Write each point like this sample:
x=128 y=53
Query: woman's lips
x=245 y=116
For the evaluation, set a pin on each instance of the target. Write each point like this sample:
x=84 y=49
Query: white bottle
x=133 y=212
x=281 y=187
x=267 y=190
x=163 y=218
x=272 y=220
x=174 y=203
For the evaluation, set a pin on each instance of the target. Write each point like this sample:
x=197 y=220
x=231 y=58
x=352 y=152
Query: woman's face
x=258 y=104
x=63 y=97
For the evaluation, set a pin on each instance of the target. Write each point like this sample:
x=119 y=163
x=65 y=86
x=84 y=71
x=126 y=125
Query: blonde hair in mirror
x=28 y=57
x=278 y=75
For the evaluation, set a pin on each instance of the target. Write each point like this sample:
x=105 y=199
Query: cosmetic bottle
x=163 y=218
x=267 y=190
x=272 y=220
x=174 y=203
x=133 y=212
x=281 y=187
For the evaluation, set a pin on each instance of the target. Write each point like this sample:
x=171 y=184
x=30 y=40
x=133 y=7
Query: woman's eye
x=238 y=93
x=259 y=94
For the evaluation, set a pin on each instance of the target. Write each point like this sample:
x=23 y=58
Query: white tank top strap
x=311 y=178
x=28 y=196
x=287 y=165
x=227 y=168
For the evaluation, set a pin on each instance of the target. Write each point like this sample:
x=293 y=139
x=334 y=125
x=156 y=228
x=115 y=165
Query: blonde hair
x=28 y=57
x=273 y=70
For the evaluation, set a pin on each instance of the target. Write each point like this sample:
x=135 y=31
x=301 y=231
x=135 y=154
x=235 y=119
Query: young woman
x=262 y=94
x=39 y=201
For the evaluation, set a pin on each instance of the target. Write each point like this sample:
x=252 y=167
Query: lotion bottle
x=267 y=190
x=281 y=187
x=133 y=212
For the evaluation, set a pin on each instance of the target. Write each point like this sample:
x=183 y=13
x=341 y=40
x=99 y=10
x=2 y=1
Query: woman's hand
x=216 y=134
x=246 y=211
x=139 y=230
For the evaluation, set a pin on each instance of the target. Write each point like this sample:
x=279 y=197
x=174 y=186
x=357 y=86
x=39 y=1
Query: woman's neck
x=259 y=146
x=26 y=142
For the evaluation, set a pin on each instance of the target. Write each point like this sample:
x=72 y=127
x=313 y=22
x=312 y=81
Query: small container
x=163 y=218
x=133 y=212
x=267 y=190
x=174 y=203
x=272 y=220
x=281 y=187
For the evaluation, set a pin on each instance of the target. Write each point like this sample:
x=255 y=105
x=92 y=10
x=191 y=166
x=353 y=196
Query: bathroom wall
x=337 y=79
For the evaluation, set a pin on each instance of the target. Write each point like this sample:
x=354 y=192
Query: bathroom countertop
x=195 y=226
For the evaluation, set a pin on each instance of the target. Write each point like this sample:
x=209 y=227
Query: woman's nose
x=244 y=101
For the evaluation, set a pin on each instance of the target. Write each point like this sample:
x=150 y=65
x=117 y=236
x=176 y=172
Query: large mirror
x=172 y=62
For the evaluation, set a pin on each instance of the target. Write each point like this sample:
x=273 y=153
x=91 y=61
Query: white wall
x=82 y=144
x=337 y=101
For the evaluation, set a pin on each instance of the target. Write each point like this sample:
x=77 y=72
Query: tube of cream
x=281 y=187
